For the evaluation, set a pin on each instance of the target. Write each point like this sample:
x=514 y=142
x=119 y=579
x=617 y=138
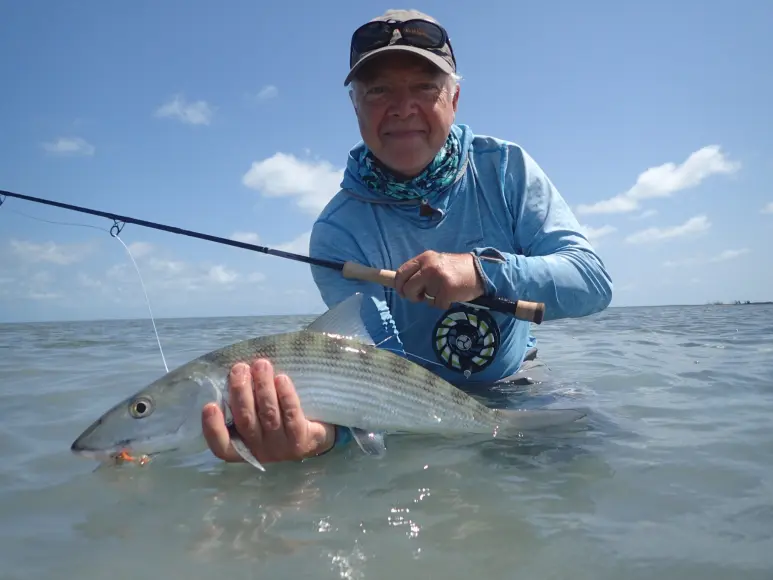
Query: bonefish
x=341 y=378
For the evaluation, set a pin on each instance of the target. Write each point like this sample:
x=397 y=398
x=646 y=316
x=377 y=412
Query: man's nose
x=402 y=102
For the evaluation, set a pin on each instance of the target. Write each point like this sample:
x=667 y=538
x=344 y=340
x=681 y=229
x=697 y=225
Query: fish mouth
x=116 y=454
x=123 y=449
x=134 y=446
x=79 y=447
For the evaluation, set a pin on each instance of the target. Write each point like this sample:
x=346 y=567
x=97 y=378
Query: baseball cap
x=401 y=30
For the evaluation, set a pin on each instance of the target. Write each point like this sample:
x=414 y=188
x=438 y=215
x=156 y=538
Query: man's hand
x=446 y=277
x=268 y=417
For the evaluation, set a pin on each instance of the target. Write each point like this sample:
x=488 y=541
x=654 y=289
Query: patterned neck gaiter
x=438 y=175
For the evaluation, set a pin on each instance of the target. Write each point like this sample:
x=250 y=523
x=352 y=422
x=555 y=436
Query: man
x=457 y=215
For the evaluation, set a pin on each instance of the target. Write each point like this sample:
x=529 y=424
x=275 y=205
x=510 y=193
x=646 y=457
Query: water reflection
x=425 y=496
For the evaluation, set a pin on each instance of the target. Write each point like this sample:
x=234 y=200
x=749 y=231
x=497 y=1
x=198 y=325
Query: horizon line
x=308 y=314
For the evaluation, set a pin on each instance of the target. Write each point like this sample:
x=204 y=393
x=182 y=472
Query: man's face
x=404 y=111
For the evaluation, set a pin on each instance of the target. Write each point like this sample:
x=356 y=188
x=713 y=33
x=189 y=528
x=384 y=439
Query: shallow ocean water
x=673 y=478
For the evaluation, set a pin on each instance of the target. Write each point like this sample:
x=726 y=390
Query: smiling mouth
x=404 y=132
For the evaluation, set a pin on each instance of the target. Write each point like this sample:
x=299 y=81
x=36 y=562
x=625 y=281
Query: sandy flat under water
x=672 y=479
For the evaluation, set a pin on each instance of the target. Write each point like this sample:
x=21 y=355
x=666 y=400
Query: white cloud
x=140 y=249
x=645 y=214
x=70 y=146
x=312 y=183
x=246 y=237
x=299 y=245
x=27 y=283
x=665 y=180
x=50 y=252
x=195 y=113
x=89 y=281
x=222 y=275
x=595 y=234
x=729 y=255
x=768 y=208
x=268 y=92
x=163 y=275
x=715 y=259
x=43 y=295
x=692 y=226
x=679 y=263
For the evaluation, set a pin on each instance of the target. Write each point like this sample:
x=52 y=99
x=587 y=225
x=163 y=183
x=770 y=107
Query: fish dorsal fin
x=345 y=319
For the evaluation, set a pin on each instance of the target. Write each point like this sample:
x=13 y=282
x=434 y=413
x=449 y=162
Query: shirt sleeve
x=329 y=242
x=555 y=263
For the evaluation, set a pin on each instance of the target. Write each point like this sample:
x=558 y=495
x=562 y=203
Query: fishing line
x=147 y=300
x=21 y=213
x=403 y=351
x=117 y=237
x=416 y=356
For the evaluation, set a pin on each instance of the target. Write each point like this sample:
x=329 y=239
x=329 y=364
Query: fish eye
x=141 y=407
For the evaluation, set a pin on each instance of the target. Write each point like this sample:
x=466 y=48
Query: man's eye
x=428 y=88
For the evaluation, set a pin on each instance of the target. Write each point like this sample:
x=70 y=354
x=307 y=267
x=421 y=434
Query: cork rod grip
x=521 y=309
x=353 y=270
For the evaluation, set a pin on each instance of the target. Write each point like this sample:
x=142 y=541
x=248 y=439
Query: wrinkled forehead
x=396 y=65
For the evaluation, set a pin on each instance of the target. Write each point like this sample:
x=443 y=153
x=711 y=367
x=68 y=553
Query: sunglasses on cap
x=415 y=32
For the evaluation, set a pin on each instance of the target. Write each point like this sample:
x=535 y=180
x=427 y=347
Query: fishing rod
x=521 y=309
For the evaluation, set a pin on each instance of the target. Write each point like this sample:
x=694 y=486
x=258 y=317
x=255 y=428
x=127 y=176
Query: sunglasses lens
x=423 y=34
x=371 y=36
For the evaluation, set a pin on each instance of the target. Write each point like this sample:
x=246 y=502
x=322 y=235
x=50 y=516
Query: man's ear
x=351 y=98
x=456 y=96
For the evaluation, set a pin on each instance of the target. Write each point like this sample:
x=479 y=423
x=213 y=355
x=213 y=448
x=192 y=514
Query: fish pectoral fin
x=371 y=442
x=241 y=448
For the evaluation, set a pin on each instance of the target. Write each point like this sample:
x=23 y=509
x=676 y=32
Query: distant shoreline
x=738 y=303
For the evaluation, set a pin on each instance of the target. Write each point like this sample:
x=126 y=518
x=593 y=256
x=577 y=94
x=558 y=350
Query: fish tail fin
x=535 y=419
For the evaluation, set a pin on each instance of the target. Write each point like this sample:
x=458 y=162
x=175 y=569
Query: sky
x=651 y=118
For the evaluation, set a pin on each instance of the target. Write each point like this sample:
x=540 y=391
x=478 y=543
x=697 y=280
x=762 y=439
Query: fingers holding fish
x=266 y=402
x=242 y=399
x=242 y=402
x=267 y=417
x=272 y=445
x=216 y=434
x=295 y=428
x=287 y=433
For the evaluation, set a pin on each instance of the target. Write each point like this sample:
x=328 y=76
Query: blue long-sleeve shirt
x=502 y=208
